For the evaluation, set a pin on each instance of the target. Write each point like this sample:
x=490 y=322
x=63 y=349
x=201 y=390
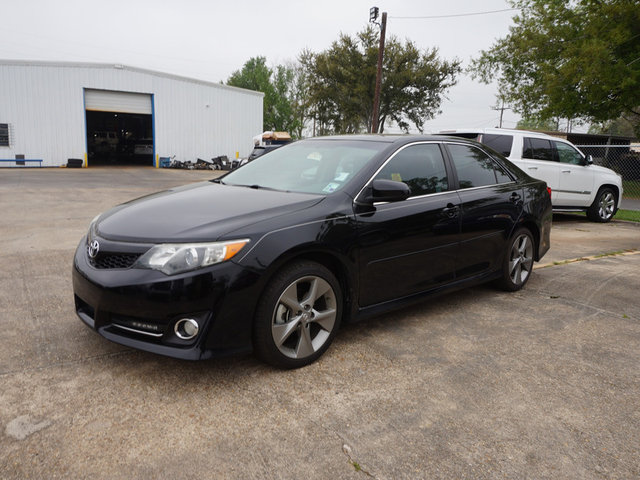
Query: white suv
x=575 y=182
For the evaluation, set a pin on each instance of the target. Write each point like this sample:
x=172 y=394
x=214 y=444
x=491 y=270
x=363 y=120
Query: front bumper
x=139 y=308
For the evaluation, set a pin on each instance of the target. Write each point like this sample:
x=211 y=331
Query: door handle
x=515 y=198
x=533 y=168
x=450 y=210
x=566 y=171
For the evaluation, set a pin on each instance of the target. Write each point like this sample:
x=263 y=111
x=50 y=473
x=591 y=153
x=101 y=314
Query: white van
x=575 y=182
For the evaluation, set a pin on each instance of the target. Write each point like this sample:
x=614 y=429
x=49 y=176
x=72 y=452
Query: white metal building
x=108 y=114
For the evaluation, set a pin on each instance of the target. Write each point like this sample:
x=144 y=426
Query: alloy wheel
x=304 y=317
x=606 y=205
x=521 y=259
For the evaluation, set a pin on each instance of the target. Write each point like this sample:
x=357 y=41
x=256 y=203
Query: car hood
x=604 y=171
x=200 y=212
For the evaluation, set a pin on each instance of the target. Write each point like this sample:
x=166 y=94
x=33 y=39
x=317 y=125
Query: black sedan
x=272 y=257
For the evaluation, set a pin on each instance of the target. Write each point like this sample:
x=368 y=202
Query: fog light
x=186 y=328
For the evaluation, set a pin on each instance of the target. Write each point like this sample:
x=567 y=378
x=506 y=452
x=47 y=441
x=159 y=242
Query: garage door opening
x=119 y=128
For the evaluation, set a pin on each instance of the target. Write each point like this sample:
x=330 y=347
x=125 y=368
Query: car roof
x=384 y=138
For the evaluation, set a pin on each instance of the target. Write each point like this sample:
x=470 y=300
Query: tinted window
x=500 y=143
x=257 y=151
x=470 y=136
x=4 y=134
x=537 y=149
x=474 y=167
x=419 y=166
x=501 y=174
x=568 y=154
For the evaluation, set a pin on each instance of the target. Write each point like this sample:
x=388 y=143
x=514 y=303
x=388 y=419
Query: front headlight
x=172 y=258
x=93 y=226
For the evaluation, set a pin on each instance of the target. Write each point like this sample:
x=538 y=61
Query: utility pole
x=502 y=108
x=373 y=16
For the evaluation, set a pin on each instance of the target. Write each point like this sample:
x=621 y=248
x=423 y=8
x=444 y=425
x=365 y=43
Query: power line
x=457 y=14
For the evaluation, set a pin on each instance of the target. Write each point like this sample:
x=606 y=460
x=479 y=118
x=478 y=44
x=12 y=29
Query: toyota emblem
x=93 y=249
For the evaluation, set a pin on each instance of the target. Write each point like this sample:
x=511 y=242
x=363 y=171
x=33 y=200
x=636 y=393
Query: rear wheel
x=603 y=207
x=518 y=261
x=298 y=315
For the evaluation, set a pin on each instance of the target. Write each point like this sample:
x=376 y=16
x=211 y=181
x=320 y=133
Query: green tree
x=278 y=112
x=546 y=124
x=341 y=83
x=285 y=105
x=298 y=92
x=568 y=59
x=624 y=126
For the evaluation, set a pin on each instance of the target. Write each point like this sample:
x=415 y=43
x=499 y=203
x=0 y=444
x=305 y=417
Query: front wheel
x=298 y=315
x=518 y=261
x=603 y=207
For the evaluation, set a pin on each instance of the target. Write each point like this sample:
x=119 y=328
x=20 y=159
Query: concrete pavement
x=481 y=384
x=630 y=204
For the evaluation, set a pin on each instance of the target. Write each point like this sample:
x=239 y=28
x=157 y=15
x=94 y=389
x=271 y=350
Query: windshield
x=308 y=166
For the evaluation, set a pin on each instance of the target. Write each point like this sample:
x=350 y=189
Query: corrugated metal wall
x=44 y=105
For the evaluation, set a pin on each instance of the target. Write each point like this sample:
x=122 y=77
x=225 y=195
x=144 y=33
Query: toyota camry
x=274 y=256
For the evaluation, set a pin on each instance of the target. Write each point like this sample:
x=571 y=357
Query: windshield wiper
x=255 y=186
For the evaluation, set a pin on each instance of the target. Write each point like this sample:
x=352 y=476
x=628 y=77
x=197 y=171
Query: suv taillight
x=549 y=191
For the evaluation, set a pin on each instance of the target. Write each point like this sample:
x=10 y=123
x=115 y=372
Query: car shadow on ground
x=352 y=336
x=569 y=218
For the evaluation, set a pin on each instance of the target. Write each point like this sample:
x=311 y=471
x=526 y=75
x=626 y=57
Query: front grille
x=114 y=260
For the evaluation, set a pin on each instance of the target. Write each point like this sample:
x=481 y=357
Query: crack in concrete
x=577 y=303
x=346 y=449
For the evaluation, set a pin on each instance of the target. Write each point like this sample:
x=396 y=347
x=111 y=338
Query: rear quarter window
x=470 y=136
x=500 y=143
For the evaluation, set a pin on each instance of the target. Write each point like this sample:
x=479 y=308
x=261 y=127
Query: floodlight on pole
x=373 y=14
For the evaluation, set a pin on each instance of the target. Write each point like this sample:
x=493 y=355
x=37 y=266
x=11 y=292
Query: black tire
x=298 y=315
x=603 y=207
x=517 y=265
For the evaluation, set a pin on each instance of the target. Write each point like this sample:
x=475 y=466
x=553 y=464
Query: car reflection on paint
x=274 y=256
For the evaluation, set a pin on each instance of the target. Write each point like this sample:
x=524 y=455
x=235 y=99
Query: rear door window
x=475 y=168
x=537 y=149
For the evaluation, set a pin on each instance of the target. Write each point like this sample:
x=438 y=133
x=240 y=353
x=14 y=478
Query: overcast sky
x=210 y=39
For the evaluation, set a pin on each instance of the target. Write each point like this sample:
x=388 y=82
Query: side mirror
x=589 y=160
x=386 y=191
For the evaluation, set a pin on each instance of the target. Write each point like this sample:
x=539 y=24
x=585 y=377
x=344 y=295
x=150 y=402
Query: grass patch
x=630 y=251
x=631 y=188
x=628 y=215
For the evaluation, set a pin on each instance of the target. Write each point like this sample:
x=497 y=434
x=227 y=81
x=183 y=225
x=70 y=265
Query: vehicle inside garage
x=119 y=128
x=119 y=138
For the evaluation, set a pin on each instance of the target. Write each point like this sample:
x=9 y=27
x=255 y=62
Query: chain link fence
x=624 y=160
